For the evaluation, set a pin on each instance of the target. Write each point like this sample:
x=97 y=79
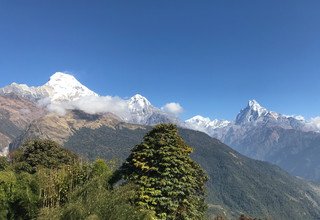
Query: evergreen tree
x=169 y=182
x=45 y=153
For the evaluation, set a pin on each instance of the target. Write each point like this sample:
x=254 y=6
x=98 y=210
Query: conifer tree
x=169 y=182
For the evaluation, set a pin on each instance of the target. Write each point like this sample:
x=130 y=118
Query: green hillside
x=236 y=183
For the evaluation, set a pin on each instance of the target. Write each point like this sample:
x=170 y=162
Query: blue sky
x=209 y=56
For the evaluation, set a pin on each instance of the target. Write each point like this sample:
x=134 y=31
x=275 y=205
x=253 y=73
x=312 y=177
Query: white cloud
x=316 y=122
x=172 y=108
x=91 y=105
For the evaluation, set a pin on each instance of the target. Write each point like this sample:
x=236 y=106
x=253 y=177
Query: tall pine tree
x=169 y=182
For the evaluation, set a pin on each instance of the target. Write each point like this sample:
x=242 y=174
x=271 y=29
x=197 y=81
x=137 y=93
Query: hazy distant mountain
x=288 y=141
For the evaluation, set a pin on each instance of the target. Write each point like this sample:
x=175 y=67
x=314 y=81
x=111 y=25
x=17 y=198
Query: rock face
x=60 y=127
x=15 y=116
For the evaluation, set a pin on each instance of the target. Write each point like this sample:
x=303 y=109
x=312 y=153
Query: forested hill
x=236 y=184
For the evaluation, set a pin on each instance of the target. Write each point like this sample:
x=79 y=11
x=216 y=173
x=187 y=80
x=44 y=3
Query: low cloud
x=91 y=105
x=172 y=108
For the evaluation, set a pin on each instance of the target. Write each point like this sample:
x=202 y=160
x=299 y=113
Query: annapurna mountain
x=61 y=87
x=65 y=91
x=21 y=104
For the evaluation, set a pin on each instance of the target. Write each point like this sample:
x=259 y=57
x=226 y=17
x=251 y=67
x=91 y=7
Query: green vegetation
x=169 y=181
x=44 y=181
x=41 y=153
x=61 y=186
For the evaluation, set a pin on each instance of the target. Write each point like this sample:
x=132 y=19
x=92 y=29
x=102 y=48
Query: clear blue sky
x=210 y=56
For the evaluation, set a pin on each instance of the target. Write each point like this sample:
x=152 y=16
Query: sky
x=209 y=56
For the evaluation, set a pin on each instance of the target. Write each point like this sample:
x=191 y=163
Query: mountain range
x=64 y=92
x=288 y=141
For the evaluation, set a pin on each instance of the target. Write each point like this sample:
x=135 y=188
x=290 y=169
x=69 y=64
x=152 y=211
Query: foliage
x=43 y=153
x=3 y=163
x=18 y=195
x=169 y=181
x=77 y=190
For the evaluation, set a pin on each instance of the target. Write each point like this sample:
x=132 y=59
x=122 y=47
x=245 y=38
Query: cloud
x=91 y=105
x=315 y=122
x=172 y=108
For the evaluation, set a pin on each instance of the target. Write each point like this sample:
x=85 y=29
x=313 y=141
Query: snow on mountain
x=65 y=87
x=24 y=91
x=61 y=87
x=63 y=91
x=143 y=112
x=254 y=112
x=251 y=116
x=205 y=124
x=140 y=109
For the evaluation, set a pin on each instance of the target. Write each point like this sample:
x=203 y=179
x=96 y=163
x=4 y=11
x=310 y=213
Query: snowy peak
x=254 y=105
x=204 y=124
x=138 y=102
x=251 y=113
x=198 y=119
x=61 y=87
x=65 y=87
x=24 y=91
x=140 y=108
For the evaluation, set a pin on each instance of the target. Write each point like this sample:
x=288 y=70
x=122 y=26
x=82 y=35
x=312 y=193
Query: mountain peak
x=59 y=76
x=65 y=87
x=198 y=119
x=139 y=101
x=253 y=103
x=251 y=113
x=60 y=79
x=60 y=87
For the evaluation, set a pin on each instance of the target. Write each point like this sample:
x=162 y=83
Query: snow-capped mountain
x=65 y=87
x=252 y=115
x=140 y=109
x=64 y=92
x=254 y=112
x=61 y=87
x=143 y=112
x=270 y=136
x=206 y=124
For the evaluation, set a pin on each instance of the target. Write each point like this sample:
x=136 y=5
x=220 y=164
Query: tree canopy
x=169 y=182
x=44 y=153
